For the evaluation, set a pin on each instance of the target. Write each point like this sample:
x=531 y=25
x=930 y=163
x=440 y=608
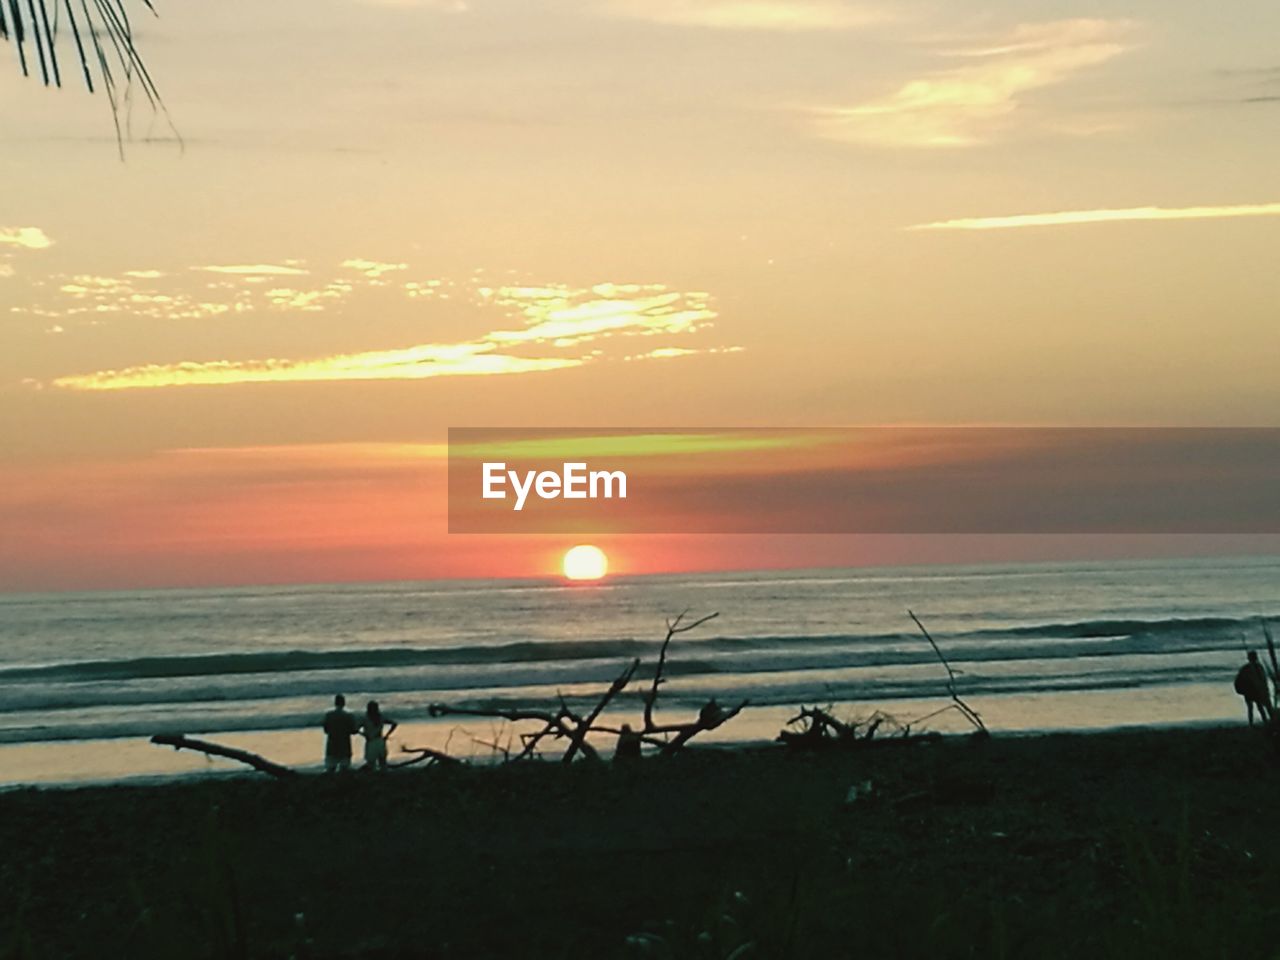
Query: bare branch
x=179 y=742
x=426 y=754
x=970 y=714
x=673 y=627
x=579 y=735
x=561 y=724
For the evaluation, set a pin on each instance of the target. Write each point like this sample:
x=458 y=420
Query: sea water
x=86 y=678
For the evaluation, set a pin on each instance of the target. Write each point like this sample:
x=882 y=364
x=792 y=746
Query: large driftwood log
x=425 y=755
x=179 y=742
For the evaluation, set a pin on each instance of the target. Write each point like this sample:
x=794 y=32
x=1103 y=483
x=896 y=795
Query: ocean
x=86 y=678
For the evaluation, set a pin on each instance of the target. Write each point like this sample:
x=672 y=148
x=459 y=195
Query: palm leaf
x=109 y=60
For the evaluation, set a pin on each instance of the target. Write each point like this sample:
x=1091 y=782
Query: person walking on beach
x=1251 y=683
x=377 y=730
x=339 y=728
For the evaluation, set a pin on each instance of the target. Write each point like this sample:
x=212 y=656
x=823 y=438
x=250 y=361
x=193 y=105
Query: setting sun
x=585 y=562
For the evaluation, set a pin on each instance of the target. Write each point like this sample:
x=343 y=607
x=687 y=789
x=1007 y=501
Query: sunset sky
x=236 y=360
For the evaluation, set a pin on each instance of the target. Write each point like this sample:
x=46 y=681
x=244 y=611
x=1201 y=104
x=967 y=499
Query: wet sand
x=1118 y=844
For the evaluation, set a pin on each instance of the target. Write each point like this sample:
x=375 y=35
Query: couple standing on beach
x=340 y=726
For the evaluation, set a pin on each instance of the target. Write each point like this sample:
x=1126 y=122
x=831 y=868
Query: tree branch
x=963 y=707
x=578 y=739
x=179 y=742
x=673 y=627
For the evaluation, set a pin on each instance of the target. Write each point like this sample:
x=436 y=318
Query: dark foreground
x=1134 y=844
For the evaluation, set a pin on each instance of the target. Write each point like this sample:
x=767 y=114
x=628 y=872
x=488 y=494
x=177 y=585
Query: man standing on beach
x=1251 y=683
x=339 y=728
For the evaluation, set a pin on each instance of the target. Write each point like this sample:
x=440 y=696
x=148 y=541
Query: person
x=1251 y=683
x=628 y=745
x=377 y=730
x=339 y=727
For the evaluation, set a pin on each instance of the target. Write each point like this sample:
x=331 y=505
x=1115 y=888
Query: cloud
x=32 y=238
x=775 y=15
x=413 y=363
x=558 y=314
x=373 y=269
x=1067 y=217
x=256 y=270
x=972 y=102
x=556 y=319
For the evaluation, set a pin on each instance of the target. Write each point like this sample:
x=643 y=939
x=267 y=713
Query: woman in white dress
x=377 y=730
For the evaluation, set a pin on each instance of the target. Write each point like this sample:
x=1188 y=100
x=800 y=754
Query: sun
x=585 y=562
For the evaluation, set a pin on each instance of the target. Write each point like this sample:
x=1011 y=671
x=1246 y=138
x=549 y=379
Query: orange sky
x=608 y=213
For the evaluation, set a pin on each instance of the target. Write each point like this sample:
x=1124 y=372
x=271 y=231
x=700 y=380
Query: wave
x=1086 y=629
x=1145 y=636
x=782 y=690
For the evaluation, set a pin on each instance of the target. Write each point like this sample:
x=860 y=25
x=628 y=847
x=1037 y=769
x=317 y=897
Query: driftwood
x=578 y=740
x=819 y=729
x=563 y=723
x=179 y=742
x=673 y=627
x=1272 y=727
x=1275 y=664
x=566 y=724
x=426 y=755
x=970 y=714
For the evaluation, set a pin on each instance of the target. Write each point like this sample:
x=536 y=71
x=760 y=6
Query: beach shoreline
x=1044 y=837
x=199 y=768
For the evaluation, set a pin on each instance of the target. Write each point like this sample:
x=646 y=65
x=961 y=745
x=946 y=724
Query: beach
x=1127 y=843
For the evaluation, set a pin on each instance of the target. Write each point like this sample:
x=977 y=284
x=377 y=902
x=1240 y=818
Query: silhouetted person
x=377 y=729
x=1251 y=683
x=339 y=727
x=628 y=747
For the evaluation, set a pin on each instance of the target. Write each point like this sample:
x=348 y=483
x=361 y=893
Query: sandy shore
x=1131 y=843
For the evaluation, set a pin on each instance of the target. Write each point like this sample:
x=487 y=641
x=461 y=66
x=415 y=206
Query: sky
x=235 y=358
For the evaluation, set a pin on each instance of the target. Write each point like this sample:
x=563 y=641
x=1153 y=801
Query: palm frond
x=101 y=37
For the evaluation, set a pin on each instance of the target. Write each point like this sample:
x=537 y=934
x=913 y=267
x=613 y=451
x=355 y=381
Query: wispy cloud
x=777 y=15
x=558 y=321
x=1067 y=217
x=566 y=316
x=256 y=270
x=32 y=238
x=160 y=295
x=413 y=363
x=973 y=101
